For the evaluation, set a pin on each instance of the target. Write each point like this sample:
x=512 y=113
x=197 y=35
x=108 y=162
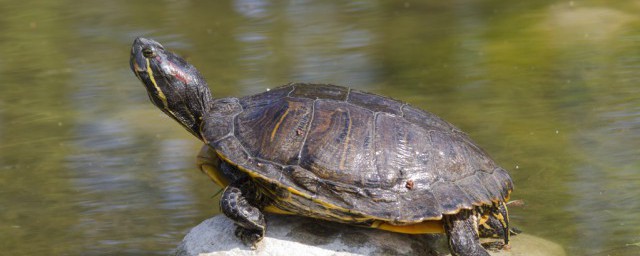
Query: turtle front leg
x=462 y=231
x=235 y=204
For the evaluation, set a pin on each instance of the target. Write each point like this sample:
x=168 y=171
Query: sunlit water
x=88 y=166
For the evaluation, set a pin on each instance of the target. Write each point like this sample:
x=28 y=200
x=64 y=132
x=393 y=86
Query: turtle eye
x=148 y=53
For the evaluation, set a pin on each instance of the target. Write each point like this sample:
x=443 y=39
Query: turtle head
x=173 y=85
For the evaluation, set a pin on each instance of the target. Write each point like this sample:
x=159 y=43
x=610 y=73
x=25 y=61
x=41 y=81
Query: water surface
x=88 y=166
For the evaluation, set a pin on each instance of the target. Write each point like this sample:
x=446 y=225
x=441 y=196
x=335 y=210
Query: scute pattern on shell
x=349 y=153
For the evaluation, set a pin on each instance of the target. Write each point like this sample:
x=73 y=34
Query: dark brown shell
x=354 y=154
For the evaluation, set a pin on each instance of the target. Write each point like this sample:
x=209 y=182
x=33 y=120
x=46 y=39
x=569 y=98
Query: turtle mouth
x=138 y=65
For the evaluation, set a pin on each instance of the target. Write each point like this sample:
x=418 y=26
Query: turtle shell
x=332 y=152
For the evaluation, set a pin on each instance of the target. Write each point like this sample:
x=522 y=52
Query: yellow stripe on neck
x=155 y=84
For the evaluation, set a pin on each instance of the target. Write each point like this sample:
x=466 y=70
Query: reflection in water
x=314 y=46
x=607 y=182
x=127 y=189
x=602 y=178
x=89 y=166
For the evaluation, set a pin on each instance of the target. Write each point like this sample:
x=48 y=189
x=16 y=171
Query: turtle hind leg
x=497 y=226
x=462 y=231
x=498 y=223
x=249 y=220
x=492 y=228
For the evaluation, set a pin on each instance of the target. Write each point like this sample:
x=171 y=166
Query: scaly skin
x=463 y=234
x=249 y=220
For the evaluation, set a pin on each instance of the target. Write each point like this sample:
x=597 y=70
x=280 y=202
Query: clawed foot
x=240 y=204
x=496 y=246
x=249 y=237
x=486 y=231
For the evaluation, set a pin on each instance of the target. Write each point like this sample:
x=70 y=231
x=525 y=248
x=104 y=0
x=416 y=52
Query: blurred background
x=88 y=166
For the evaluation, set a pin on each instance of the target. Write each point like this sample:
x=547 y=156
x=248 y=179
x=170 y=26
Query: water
x=88 y=166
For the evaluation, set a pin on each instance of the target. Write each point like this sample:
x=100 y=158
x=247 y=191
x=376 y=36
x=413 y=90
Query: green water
x=89 y=167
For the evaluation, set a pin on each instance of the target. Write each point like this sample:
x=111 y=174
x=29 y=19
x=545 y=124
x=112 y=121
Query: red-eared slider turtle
x=332 y=153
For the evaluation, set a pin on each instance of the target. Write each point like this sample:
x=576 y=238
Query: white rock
x=291 y=235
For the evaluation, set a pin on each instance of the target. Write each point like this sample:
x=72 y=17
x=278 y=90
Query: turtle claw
x=249 y=237
x=249 y=220
x=496 y=246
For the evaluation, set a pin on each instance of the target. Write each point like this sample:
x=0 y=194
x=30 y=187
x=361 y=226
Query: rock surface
x=291 y=235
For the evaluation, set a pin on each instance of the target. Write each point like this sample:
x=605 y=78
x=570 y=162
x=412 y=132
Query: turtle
x=332 y=153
